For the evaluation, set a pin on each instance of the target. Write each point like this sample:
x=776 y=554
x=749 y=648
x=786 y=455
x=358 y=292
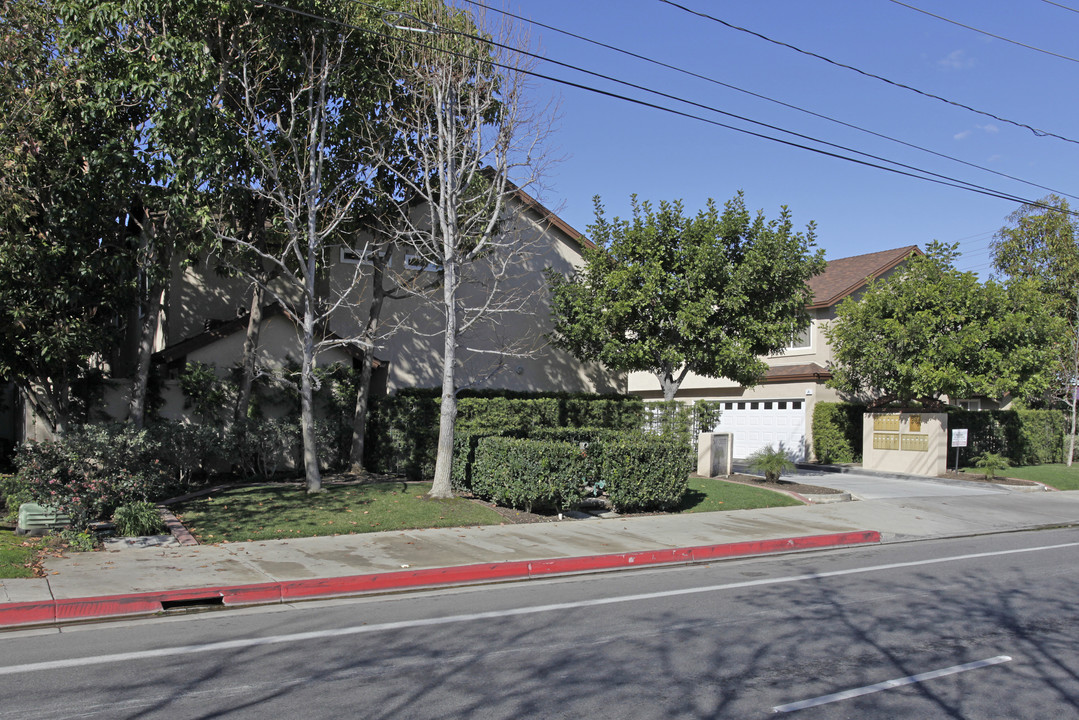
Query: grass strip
x=712 y=494
x=1058 y=475
x=271 y=513
x=15 y=555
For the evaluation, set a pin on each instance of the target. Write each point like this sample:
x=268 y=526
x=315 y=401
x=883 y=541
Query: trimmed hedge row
x=837 y=432
x=638 y=473
x=402 y=429
x=1025 y=437
x=530 y=474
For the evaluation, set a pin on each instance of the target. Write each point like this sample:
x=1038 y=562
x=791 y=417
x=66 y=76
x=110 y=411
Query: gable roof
x=844 y=276
x=547 y=215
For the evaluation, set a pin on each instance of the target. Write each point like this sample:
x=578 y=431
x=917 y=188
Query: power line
x=1059 y=5
x=1036 y=131
x=765 y=97
x=986 y=33
x=939 y=179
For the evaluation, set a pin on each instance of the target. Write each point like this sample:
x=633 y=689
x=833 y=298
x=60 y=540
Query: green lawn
x=710 y=495
x=270 y=513
x=1059 y=476
x=14 y=556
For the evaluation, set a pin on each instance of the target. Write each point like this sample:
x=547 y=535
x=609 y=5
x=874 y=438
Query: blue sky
x=613 y=148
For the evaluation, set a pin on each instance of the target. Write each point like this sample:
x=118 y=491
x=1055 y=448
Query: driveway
x=869 y=487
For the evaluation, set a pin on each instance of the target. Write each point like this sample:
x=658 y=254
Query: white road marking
x=490 y=615
x=889 y=684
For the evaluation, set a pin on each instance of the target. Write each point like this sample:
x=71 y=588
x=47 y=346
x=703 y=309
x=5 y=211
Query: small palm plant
x=771 y=463
x=989 y=463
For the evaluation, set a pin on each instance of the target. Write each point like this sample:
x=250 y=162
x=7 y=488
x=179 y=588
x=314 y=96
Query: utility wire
x=765 y=97
x=940 y=180
x=700 y=106
x=1059 y=5
x=986 y=33
x=706 y=16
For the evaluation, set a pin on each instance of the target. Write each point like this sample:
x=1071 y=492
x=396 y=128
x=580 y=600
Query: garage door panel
x=774 y=423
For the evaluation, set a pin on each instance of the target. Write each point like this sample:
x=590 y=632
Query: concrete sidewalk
x=128 y=580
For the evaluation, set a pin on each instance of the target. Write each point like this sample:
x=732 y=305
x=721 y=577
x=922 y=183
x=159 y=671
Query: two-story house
x=778 y=412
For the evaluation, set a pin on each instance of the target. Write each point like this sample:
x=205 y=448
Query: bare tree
x=301 y=160
x=465 y=122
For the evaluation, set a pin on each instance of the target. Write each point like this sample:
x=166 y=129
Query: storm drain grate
x=193 y=603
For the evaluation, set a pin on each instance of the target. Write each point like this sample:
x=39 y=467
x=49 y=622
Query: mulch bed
x=783 y=485
x=997 y=480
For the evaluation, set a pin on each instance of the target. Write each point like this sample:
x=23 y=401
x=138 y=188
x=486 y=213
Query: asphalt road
x=975 y=628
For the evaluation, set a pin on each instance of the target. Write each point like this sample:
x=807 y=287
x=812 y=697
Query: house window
x=767 y=406
x=970 y=404
x=728 y=406
x=352 y=257
x=782 y=404
x=741 y=406
x=802 y=340
x=416 y=262
x=754 y=406
x=796 y=405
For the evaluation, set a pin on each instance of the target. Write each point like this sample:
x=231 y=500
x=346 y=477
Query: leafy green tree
x=1040 y=243
x=65 y=268
x=929 y=331
x=671 y=294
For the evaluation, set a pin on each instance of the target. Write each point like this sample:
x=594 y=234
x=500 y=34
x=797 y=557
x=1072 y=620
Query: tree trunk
x=147 y=333
x=363 y=389
x=669 y=383
x=1073 y=389
x=442 y=486
x=247 y=360
x=307 y=404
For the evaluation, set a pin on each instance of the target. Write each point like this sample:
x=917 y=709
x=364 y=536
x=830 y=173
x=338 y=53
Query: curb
x=75 y=609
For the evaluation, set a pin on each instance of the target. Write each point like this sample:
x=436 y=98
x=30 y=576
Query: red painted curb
x=34 y=613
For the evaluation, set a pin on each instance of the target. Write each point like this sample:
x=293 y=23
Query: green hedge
x=642 y=473
x=402 y=429
x=1025 y=437
x=530 y=474
x=837 y=432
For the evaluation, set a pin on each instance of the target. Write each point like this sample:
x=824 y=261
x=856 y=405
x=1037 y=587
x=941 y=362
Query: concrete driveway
x=867 y=487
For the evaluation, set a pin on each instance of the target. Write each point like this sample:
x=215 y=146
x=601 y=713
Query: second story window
x=802 y=340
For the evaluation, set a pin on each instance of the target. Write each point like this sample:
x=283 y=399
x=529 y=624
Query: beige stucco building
x=206 y=317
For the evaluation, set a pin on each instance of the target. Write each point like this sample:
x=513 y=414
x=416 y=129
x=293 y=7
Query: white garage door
x=762 y=423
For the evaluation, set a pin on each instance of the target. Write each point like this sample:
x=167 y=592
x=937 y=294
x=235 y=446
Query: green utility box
x=37 y=520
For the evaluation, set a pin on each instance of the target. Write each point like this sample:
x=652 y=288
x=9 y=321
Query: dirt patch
x=783 y=485
x=995 y=480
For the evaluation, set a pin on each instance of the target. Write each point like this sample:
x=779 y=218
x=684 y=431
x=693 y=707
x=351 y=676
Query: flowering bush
x=92 y=470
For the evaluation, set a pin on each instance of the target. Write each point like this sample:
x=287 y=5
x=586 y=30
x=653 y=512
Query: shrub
x=191 y=451
x=137 y=519
x=1024 y=437
x=465 y=443
x=530 y=474
x=13 y=493
x=92 y=470
x=641 y=472
x=771 y=463
x=837 y=432
x=78 y=540
x=990 y=463
x=402 y=429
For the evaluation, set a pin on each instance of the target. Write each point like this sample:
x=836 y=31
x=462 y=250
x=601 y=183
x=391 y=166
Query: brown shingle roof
x=846 y=275
x=796 y=373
